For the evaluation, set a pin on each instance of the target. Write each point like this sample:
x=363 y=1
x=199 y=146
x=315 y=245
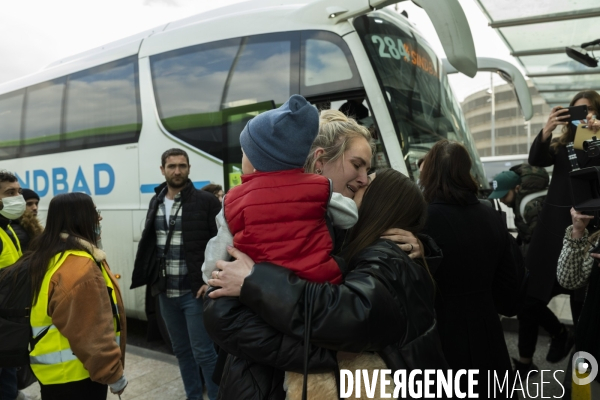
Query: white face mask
x=14 y=207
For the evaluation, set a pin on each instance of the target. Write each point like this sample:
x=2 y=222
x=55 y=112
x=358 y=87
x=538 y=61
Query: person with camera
x=545 y=245
x=578 y=268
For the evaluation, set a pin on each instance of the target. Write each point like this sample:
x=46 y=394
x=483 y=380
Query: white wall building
x=513 y=135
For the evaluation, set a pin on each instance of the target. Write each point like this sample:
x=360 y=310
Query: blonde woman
x=259 y=351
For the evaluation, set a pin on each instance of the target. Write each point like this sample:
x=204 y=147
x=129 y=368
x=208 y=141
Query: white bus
x=98 y=122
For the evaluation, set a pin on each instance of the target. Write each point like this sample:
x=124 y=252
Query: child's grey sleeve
x=342 y=211
x=216 y=249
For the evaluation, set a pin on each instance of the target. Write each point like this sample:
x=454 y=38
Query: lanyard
x=572 y=156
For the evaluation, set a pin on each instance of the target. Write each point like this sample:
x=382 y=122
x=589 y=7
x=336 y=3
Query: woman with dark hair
x=479 y=276
x=384 y=305
x=215 y=189
x=77 y=317
x=546 y=240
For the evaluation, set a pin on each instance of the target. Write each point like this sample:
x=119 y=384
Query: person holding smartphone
x=546 y=240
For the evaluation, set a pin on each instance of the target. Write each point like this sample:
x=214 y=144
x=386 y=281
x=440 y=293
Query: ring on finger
x=411 y=247
x=218 y=274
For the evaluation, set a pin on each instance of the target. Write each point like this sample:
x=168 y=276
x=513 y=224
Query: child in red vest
x=279 y=214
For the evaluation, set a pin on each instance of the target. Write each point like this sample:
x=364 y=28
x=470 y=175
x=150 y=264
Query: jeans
x=192 y=346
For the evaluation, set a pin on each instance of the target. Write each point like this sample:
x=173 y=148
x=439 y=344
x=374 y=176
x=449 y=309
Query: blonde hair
x=336 y=133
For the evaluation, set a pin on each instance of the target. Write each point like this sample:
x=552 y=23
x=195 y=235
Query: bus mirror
x=510 y=74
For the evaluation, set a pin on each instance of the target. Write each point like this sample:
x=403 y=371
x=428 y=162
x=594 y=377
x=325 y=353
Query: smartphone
x=577 y=112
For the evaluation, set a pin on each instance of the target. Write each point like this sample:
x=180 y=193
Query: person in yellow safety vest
x=12 y=206
x=77 y=316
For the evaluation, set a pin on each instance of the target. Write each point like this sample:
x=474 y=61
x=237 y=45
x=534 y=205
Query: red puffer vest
x=279 y=217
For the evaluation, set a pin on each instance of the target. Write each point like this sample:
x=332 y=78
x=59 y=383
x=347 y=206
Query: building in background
x=513 y=135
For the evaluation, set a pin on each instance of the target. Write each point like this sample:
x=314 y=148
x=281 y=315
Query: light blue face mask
x=98 y=229
x=578 y=122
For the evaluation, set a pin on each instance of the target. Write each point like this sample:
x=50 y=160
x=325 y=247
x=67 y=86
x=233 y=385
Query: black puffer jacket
x=199 y=214
x=386 y=305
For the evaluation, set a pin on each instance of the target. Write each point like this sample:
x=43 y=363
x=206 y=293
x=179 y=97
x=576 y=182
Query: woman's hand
x=558 y=116
x=405 y=240
x=230 y=274
x=580 y=222
x=202 y=291
x=592 y=123
x=120 y=392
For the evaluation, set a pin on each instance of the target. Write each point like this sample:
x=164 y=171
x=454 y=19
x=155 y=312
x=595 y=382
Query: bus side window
x=265 y=76
x=102 y=106
x=205 y=94
x=326 y=65
x=43 y=106
x=11 y=109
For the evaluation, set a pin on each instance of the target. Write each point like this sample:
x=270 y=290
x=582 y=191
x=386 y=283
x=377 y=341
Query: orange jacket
x=80 y=308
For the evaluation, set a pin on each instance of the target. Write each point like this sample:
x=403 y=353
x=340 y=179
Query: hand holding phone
x=577 y=113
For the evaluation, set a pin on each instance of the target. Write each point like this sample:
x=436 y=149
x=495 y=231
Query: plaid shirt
x=178 y=282
x=575 y=263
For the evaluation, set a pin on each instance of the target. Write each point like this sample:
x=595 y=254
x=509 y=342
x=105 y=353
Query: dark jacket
x=27 y=228
x=480 y=277
x=385 y=305
x=199 y=210
x=546 y=241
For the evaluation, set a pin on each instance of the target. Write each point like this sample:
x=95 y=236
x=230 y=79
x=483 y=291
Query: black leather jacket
x=385 y=305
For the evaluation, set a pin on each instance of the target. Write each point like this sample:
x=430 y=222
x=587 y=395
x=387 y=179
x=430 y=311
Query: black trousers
x=85 y=389
x=535 y=313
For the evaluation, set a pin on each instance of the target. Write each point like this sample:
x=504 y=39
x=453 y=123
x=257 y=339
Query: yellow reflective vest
x=52 y=359
x=10 y=253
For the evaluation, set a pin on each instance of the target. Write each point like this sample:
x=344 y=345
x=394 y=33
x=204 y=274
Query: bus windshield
x=418 y=95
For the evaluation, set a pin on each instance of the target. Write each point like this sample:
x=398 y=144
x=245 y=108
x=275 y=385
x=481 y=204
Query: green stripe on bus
x=105 y=130
x=217 y=118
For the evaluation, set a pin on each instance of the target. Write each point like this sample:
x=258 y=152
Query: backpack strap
x=527 y=199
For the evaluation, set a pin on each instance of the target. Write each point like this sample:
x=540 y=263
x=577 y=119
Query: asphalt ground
x=556 y=377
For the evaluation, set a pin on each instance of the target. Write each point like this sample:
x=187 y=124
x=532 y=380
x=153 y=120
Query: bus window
x=11 y=109
x=205 y=94
x=327 y=65
x=325 y=62
x=102 y=106
x=419 y=99
x=43 y=106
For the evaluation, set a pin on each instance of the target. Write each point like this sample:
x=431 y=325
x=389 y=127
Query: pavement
x=153 y=373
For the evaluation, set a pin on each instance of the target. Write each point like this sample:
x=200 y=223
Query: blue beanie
x=280 y=139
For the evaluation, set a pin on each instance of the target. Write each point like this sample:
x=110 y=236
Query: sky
x=34 y=33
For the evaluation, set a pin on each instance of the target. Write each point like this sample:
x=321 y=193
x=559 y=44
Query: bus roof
x=237 y=20
x=245 y=18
